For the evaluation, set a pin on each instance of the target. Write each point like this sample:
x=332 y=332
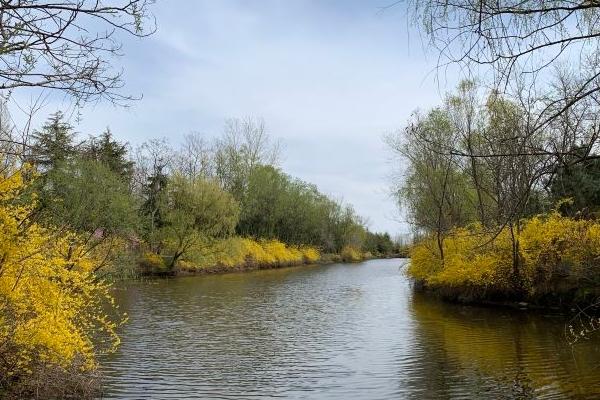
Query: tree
x=53 y=144
x=434 y=188
x=580 y=184
x=195 y=158
x=198 y=211
x=278 y=206
x=244 y=145
x=520 y=40
x=67 y=45
x=88 y=197
x=113 y=154
x=456 y=176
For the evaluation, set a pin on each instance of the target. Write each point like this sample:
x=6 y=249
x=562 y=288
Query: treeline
x=503 y=211
x=174 y=201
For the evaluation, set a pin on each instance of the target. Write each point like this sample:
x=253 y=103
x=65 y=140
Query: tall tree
x=198 y=211
x=110 y=152
x=53 y=144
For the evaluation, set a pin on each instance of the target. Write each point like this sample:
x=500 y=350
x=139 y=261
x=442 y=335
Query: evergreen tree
x=154 y=207
x=110 y=152
x=53 y=144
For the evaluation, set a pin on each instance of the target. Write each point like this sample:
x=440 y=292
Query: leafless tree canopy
x=67 y=45
x=520 y=40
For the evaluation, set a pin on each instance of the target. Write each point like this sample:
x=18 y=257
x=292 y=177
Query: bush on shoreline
x=558 y=258
x=53 y=307
x=232 y=254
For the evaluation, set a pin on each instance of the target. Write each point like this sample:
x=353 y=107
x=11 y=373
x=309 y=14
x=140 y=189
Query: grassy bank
x=230 y=255
x=550 y=260
x=235 y=254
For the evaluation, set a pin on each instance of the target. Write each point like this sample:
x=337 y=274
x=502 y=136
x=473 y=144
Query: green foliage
x=293 y=211
x=579 y=181
x=197 y=211
x=111 y=153
x=154 y=206
x=378 y=243
x=53 y=144
x=87 y=196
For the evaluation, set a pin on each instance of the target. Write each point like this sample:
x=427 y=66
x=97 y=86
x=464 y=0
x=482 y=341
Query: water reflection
x=505 y=353
x=341 y=331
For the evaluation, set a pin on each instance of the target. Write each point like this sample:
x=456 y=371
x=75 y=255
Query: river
x=343 y=331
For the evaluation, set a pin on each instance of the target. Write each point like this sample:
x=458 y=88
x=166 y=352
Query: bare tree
x=195 y=157
x=434 y=187
x=152 y=158
x=67 y=45
x=245 y=144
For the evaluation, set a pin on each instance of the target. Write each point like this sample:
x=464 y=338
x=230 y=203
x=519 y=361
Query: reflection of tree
x=499 y=353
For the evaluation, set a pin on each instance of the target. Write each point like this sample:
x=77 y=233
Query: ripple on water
x=335 y=332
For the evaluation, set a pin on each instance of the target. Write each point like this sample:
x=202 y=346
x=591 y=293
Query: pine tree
x=53 y=145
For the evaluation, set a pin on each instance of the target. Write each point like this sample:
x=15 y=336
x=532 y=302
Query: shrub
x=350 y=254
x=310 y=255
x=151 y=263
x=552 y=248
x=245 y=252
x=52 y=305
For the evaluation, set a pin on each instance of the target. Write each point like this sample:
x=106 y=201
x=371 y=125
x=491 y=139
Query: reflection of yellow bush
x=550 y=247
x=500 y=346
x=350 y=254
x=236 y=252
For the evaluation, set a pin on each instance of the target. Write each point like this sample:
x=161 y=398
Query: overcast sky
x=329 y=78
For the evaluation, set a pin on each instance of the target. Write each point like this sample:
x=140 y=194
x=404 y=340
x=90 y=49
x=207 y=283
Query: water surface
x=336 y=332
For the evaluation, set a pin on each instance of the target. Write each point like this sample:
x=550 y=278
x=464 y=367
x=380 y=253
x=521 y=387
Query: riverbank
x=565 y=302
x=550 y=262
x=238 y=254
x=251 y=264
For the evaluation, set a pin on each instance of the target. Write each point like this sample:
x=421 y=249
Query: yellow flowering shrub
x=150 y=261
x=350 y=254
x=236 y=252
x=551 y=247
x=310 y=254
x=53 y=309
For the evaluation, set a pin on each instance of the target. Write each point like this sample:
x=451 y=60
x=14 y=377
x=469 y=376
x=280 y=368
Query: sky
x=330 y=79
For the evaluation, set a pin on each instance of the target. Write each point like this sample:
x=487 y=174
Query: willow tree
x=517 y=37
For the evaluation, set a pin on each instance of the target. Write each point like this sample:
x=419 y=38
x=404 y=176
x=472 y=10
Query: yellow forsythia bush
x=52 y=306
x=550 y=247
x=350 y=254
x=151 y=262
x=238 y=251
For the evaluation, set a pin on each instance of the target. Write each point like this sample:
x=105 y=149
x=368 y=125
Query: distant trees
x=379 y=243
x=178 y=200
x=244 y=145
x=278 y=206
